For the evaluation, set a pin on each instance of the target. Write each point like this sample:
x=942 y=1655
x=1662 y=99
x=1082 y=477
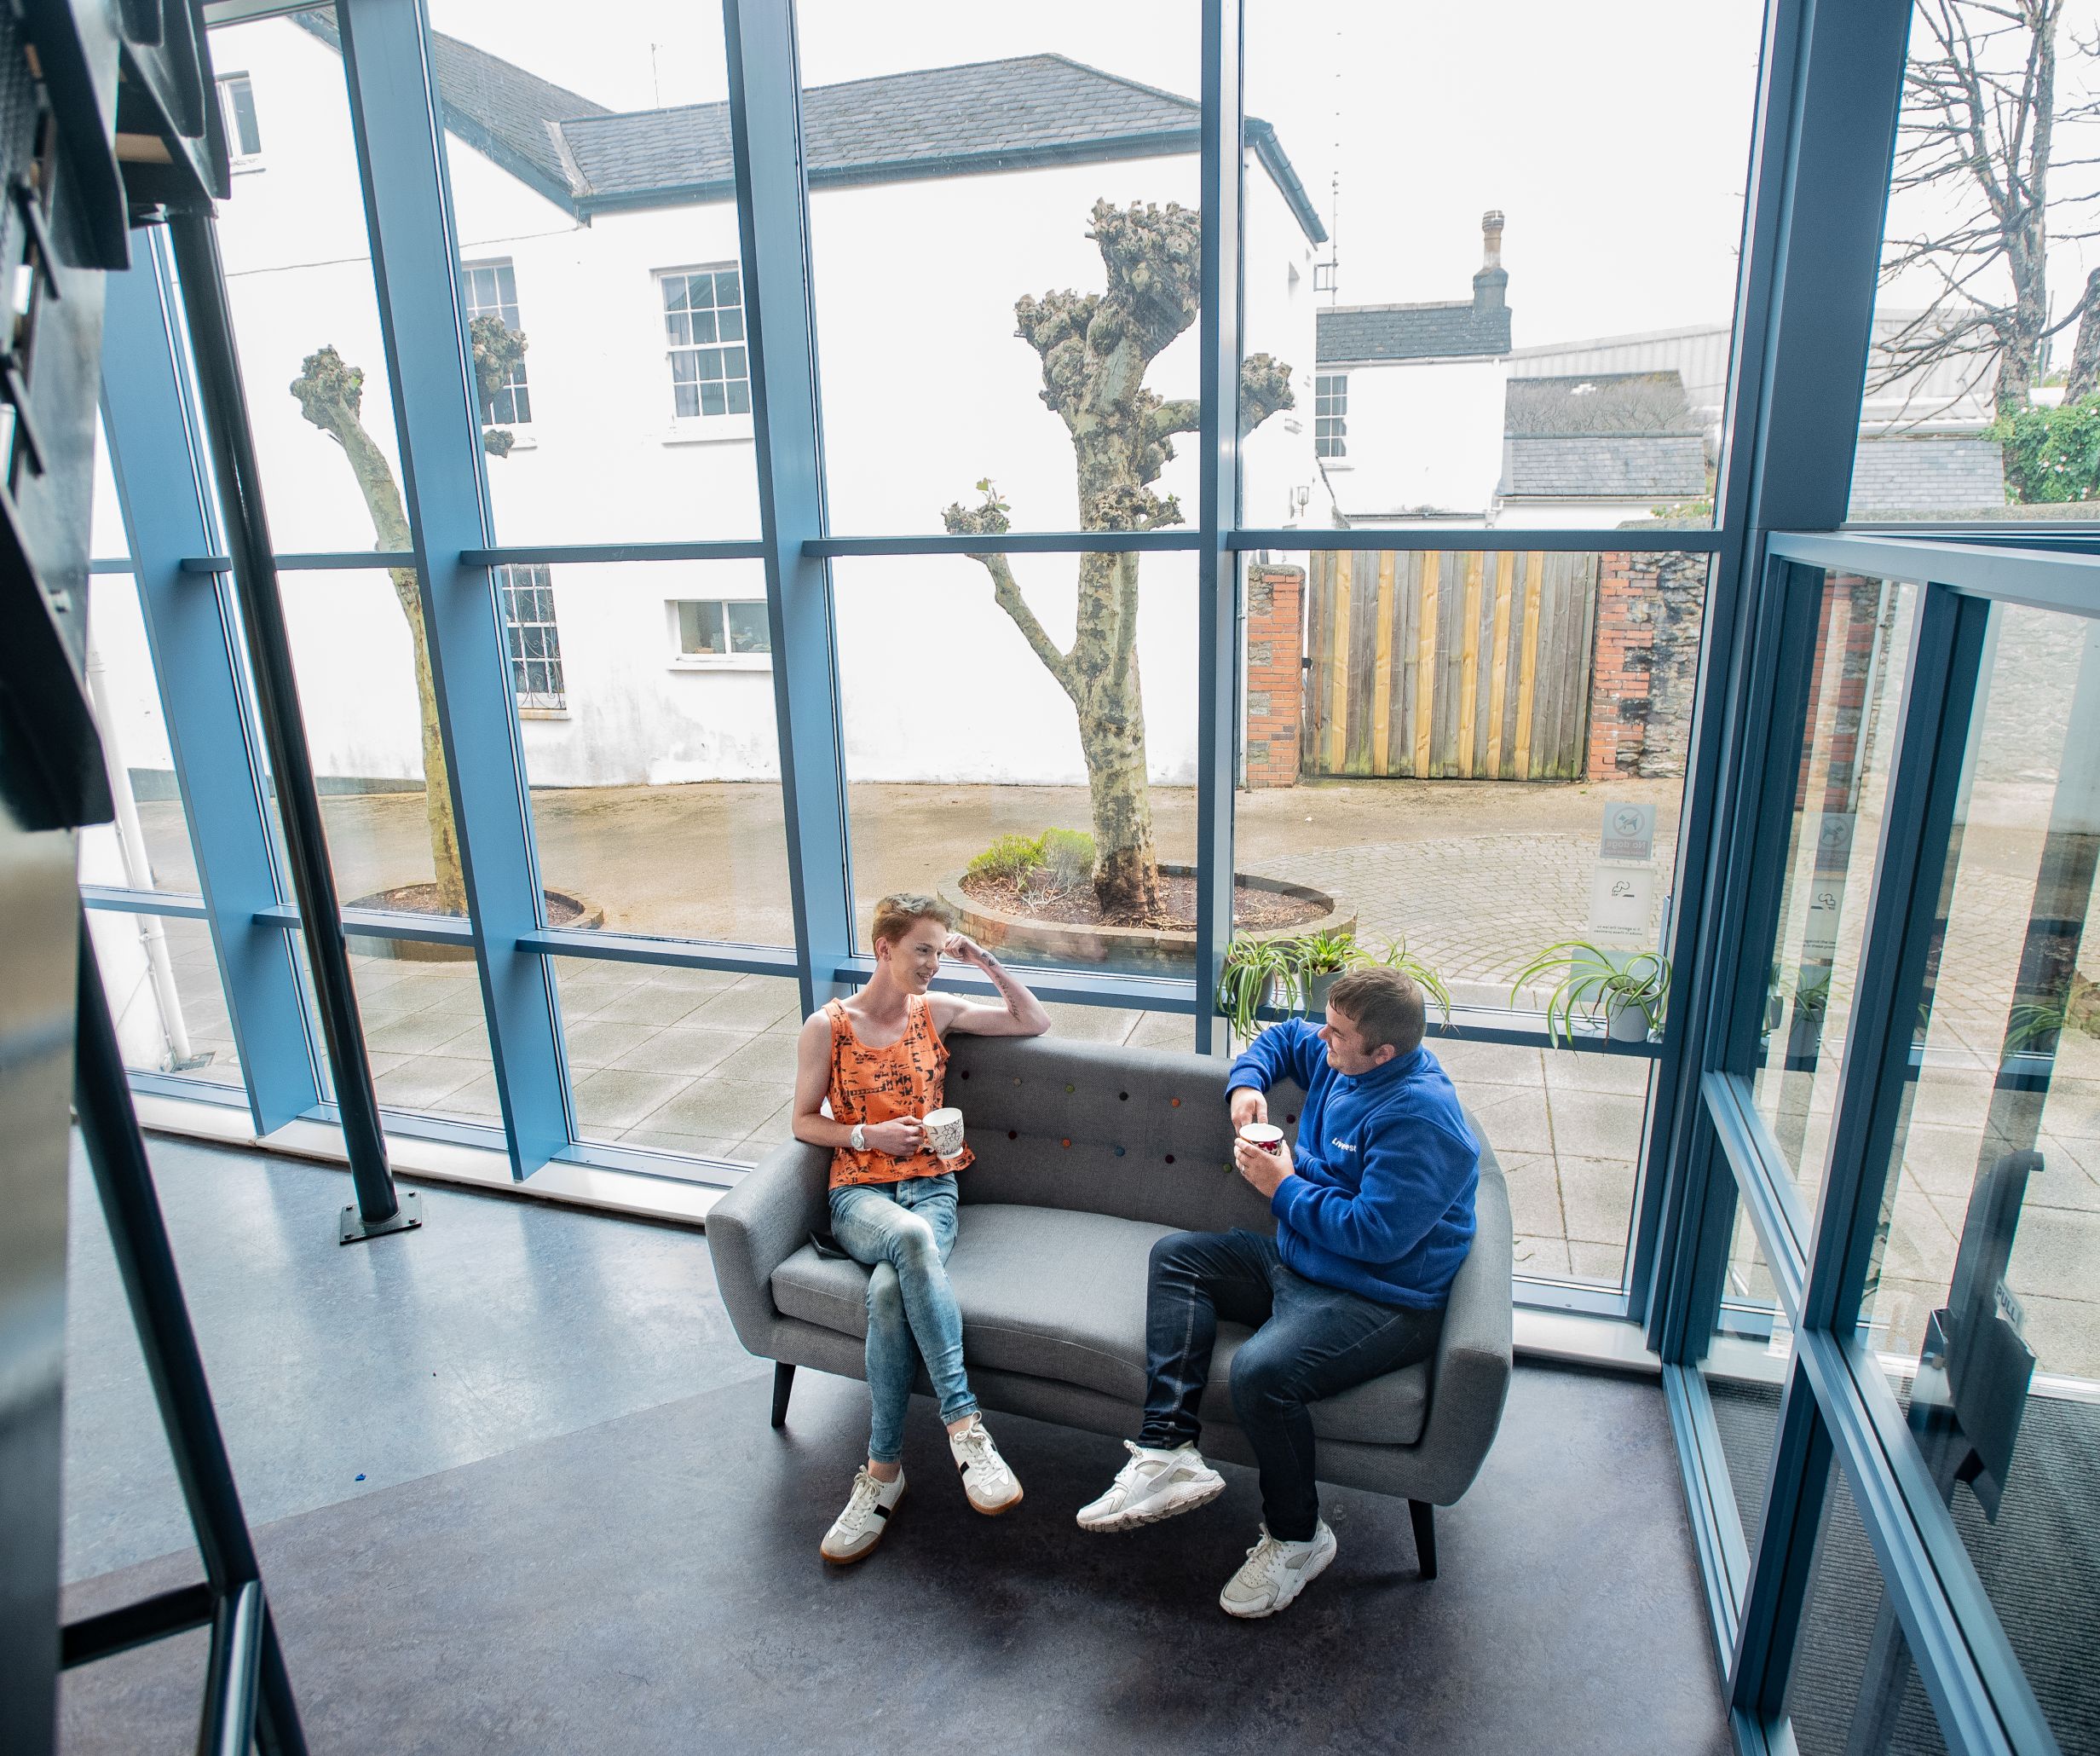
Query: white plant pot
x=1625 y=1022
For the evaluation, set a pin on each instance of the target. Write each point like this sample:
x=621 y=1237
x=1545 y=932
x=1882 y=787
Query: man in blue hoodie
x=1374 y=1216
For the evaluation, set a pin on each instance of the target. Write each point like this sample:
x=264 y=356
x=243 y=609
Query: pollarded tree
x=1984 y=124
x=330 y=395
x=1096 y=348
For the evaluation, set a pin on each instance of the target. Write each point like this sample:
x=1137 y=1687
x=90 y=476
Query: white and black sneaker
x=990 y=1483
x=1152 y=1486
x=854 y=1534
x=1275 y=1572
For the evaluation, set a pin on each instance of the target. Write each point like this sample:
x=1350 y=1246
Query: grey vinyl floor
x=514 y=1491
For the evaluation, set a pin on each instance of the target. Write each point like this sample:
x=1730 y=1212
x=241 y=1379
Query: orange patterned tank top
x=872 y=1085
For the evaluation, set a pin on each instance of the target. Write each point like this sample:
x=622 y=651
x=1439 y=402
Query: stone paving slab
x=1477 y=877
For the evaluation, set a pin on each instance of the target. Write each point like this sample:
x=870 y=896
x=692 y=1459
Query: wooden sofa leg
x=1424 y=1517
x=783 y=1383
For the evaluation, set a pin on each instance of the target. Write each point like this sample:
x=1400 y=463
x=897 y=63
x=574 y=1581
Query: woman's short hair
x=895 y=916
x=1384 y=1005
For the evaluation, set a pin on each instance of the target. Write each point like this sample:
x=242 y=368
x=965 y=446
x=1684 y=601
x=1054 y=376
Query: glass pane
x=1744 y=1368
x=425 y=1033
x=1852 y=1686
x=680 y=1061
x=162 y=980
x=306 y=319
x=1567 y=1125
x=599 y=163
x=932 y=400
x=1502 y=368
x=147 y=846
x=1856 y=694
x=748 y=629
x=1980 y=377
x=657 y=801
x=371 y=727
x=1984 y=1298
x=1063 y=834
x=1477 y=757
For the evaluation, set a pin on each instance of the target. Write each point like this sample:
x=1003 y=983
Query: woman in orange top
x=875 y=1062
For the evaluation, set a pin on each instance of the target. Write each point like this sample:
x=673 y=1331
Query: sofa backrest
x=1140 y=1133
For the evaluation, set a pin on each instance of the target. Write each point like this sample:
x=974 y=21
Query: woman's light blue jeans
x=904 y=1231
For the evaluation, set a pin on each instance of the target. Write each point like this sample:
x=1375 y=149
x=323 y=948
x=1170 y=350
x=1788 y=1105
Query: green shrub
x=2052 y=455
x=1012 y=857
x=1068 y=859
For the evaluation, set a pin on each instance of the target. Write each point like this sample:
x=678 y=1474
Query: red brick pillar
x=1275 y=674
x=1621 y=664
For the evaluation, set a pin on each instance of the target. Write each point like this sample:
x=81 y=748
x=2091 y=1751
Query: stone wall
x=1644 y=665
x=1275 y=704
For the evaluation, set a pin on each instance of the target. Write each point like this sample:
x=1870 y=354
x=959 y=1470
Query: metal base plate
x=354 y=1228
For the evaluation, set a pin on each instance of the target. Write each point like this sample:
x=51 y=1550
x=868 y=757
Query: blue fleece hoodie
x=1381 y=1199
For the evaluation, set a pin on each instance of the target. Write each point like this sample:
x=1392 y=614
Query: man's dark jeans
x=1310 y=1340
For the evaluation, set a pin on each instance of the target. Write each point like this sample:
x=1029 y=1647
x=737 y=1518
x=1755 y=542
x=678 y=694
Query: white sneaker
x=1152 y=1486
x=1275 y=1572
x=857 y=1529
x=991 y=1485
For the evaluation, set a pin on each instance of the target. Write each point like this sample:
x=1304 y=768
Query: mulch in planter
x=1252 y=909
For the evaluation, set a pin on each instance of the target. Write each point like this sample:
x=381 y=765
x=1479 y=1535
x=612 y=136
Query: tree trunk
x=2084 y=376
x=1111 y=704
x=329 y=394
x=1096 y=349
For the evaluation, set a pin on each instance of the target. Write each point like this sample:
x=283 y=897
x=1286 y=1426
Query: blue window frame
x=1838 y=1439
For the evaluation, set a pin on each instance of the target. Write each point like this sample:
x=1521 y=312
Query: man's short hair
x=895 y=916
x=1384 y=1005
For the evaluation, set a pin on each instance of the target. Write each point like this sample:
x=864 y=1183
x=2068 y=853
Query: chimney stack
x=1491 y=285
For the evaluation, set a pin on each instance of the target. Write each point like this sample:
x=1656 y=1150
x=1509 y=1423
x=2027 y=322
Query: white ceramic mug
x=943 y=1133
x=1265 y=1134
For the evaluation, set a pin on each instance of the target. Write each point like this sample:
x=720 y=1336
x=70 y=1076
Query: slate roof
x=1358 y=334
x=1623 y=435
x=999 y=115
x=1617 y=466
x=498 y=109
x=1925 y=475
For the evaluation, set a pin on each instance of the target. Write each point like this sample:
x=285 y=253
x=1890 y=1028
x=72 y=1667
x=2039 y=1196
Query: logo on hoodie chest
x=1342 y=1146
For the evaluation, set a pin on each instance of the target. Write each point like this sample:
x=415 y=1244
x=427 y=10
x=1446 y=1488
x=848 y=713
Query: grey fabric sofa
x=1085 y=1156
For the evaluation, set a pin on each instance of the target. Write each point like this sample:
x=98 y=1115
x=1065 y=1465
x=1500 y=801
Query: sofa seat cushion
x=1060 y=1294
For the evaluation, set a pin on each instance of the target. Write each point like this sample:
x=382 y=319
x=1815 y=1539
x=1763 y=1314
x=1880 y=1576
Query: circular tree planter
x=1143 y=950
x=562 y=911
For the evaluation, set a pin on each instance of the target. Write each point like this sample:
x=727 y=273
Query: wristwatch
x=858 y=1139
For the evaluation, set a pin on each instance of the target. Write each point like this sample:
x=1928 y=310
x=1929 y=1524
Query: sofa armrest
x=1473 y=1354
x=758 y=1225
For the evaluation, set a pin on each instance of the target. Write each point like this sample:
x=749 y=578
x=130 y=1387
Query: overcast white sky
x=1614 y=137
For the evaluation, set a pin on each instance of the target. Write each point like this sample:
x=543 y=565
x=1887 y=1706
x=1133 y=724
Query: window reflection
x=1744 y=1368
x=1983 y=1297
x=1852 y=1690
x=1855 y=687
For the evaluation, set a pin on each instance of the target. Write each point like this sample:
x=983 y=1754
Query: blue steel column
x=157 y=450
x=773 y=227
x=1217 y=583
x=394 y=113
x=1833 y=86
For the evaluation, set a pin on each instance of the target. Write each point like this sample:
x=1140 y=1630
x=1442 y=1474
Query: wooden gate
x=1450 y=664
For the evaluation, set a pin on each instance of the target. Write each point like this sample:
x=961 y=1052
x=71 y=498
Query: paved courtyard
x=1477 y=877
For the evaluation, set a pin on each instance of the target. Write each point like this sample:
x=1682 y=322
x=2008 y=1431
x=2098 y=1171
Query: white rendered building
x=609 y=239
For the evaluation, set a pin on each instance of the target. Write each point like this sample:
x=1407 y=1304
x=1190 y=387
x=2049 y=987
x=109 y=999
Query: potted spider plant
x=1398 y=956
x=1804 y=1035
x=1256 y=971
x=1632 y=994
x=1318 y=961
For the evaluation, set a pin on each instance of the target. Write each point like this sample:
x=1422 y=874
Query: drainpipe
x=138 y=873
